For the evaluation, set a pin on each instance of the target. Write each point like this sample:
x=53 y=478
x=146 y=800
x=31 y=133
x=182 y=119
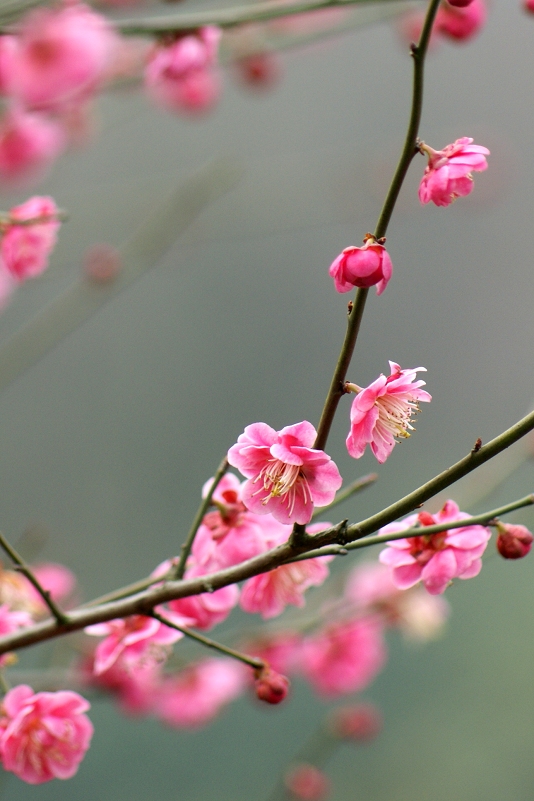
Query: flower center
x=282 y=480
x=396 y=414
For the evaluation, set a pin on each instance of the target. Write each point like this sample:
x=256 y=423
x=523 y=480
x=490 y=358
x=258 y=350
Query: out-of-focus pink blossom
x=138 y=641
x=383 y=411
x=287 y=476
x=45 y=735
x=280 y=650
x=260 y=71
x=11 y=620
x=448 y=172
x=513 y=541
x=102 y=263
x=230 y=534
x=360 y=722
x=207 y=609
x=271 y=686
x=435 y=559
x=307 y=783
x=182 y=76
x=362 y=267
x=461 y=22
x=344 y=657
x=25 y=246
x=528 y=5
x=61 y=56
x=460 y=3
x=270 y=593
x=28 y=142
x=57 y=579
x=136 y=690
x=420 y=616
x=195 y=695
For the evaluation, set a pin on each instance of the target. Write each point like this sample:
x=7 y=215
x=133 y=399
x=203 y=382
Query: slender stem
x=350 y=490
x=21 y=565
x=4 y=684
x=257 y=664
x=124 y=592
x=483 y=519
x=409 y=150
x=202 y=509
x=144 y=602
x=230 y=17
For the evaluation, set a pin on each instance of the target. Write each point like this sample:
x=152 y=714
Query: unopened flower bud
x=356 y=722
x=513 y=542
x=271 y=687
x=362 y=267
x=307 y=782
x=460 y=3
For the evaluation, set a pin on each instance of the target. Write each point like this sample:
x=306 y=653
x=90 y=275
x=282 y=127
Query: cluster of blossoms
x=28 y=235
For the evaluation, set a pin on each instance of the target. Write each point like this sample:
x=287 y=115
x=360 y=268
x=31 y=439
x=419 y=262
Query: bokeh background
x=108 y=439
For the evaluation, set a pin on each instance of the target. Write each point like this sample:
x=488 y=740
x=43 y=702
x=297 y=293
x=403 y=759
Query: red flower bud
x=460 y=3
x=357 y=722
x=271 y=686
x=307 y=782
x=513 y=542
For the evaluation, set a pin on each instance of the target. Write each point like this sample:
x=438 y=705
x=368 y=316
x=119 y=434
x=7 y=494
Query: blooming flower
x=435 y=559
x=448 y=172
x=195 y=695
x=25 y=248
x=181 y=76
x=138 y=641
x=28 y=142
x=45 y=735
x=270 y=593
x=362 y=267
x=344 y=657
x=287 y=477
x=60 y=57
x=383 y=411
x=460 y=20
x=513 y=541
x=231 y=533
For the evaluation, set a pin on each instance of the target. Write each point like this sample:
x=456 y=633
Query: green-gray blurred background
x=108 y=440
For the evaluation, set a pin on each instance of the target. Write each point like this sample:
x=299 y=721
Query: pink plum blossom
x=60 y=58
x=287 y=476
x=371 y=589
x=383 y=411
x=359 y=722
x=45 y=735
x=230 y=534
x=461 y=21
x=25 y=248
x=307 y=783
x=11 y=620
x=528 y=5
x=448 y=172
x=181 y=76
x=195 y=695
x=344 y=657
x=280 y=650
x=362 y=267
x=270 y=593
x=29 y=141
x=513 y=541
x=136 y=690
x=435 y=559
x=137 y=641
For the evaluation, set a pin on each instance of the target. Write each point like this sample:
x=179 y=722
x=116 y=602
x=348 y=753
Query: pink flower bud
x=271 y=687
x=513 y=542
x=460 y=3
x=461 y=21
x=306 y=782
x=362 y=267
x=357 y=722
x=260 y=71
x=102 y=263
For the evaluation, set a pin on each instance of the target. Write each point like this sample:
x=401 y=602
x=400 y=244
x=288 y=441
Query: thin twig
x=24 y=568
x=257 y=664
x=230 y=17
x=202 y=509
